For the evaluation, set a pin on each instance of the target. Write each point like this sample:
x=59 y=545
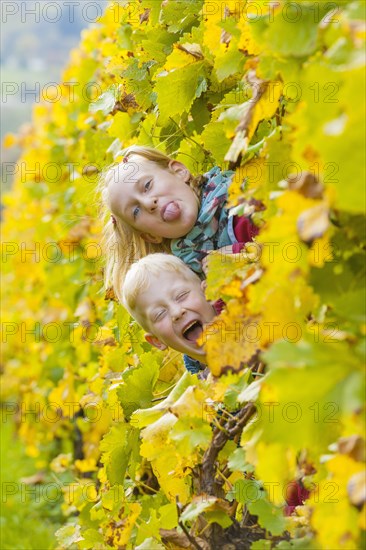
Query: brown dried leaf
x=313 y=223
x=192 y=49
x=90 y=169
x=353 y=446
x=261 y=106
x=307 y=184
x=171 y=536
x=225 y=37
x=79 y=231
x=356 y=489
x=110 y=294
x=35 y=479
x=85 y=310
x=127 y=102
x=145 y=16
x=106 y=342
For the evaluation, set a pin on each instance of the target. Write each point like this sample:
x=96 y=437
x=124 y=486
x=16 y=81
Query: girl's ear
x=151 y=239
x=153 y=341
x=180 y=169
x=204 y=285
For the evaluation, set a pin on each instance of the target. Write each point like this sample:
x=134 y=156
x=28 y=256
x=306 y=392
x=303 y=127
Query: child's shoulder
x=216 y=181
x=192 y=365
x=216 y=171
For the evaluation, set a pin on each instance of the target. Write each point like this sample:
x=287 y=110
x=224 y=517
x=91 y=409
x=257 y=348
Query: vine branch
x=220 y=437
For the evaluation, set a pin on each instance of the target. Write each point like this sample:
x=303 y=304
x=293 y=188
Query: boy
x=167 y=299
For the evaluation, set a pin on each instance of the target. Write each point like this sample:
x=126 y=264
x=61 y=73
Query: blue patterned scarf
x=210 y=231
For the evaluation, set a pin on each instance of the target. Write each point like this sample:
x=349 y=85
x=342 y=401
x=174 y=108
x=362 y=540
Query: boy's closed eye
x=180 y=297
x=160 y=314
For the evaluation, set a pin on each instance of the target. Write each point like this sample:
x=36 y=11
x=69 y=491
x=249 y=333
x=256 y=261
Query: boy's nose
x=178 y=313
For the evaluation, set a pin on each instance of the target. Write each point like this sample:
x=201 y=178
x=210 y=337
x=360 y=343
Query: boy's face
x=175 y=309
x=156 y=202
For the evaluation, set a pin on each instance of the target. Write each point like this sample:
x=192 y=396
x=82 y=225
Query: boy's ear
x=204 y=285
x=151 y=239
x=180 y=169
x=153 y=341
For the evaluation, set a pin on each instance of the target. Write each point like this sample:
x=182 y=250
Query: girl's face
x=156 y=202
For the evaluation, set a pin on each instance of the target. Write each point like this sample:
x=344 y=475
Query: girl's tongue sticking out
x=171 y=212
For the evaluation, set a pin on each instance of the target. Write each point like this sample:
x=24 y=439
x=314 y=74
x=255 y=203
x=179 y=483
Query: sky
x=36 y=39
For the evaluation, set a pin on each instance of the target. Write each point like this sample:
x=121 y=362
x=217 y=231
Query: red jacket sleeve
x=296 y=494
x=218 y=306
x=244 y=231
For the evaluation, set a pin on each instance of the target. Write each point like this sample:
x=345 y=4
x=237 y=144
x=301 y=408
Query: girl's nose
x=151 y=203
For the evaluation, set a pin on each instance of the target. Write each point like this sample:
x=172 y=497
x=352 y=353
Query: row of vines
x=148 y=456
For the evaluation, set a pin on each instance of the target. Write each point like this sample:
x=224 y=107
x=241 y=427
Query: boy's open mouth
x=193 y=331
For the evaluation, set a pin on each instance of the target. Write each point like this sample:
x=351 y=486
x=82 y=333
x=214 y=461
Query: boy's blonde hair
x=137 y=278
x=122 y=245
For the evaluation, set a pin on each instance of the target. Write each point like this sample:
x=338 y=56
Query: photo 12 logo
x=25 y=11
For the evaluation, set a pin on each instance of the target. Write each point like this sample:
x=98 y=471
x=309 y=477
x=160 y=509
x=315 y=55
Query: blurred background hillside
x=36 y=39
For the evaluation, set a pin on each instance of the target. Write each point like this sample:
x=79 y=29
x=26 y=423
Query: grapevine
x=148 y=455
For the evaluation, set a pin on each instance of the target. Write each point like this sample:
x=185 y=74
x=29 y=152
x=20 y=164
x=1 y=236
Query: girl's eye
x=147 y=185
x=182 y=295
x=135 y=212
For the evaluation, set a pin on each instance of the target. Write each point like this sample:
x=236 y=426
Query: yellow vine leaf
x=276 y=466
x=250 y=176
x=155 y=435
x=231 y=340
x=65 y=396
x=181 y=57
x=118 y=533
x=334 y=518
x=170 y=475
x=9 y=141
x=190 y=404
x=262 y=105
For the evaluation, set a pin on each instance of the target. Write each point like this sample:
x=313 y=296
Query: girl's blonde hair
x=122 y=245
x=138 y=277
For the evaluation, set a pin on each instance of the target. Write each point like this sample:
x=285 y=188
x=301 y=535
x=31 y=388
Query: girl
x=157 y=205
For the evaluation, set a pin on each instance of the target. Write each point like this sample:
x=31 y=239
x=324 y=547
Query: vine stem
x=190 y=138
x=146 y=486
x=219 y=440
x=165 y=391
x=253 y=149
x=225 y=478
x=191 y=539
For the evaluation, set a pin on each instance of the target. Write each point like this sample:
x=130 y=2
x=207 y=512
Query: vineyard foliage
x=148 y=456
